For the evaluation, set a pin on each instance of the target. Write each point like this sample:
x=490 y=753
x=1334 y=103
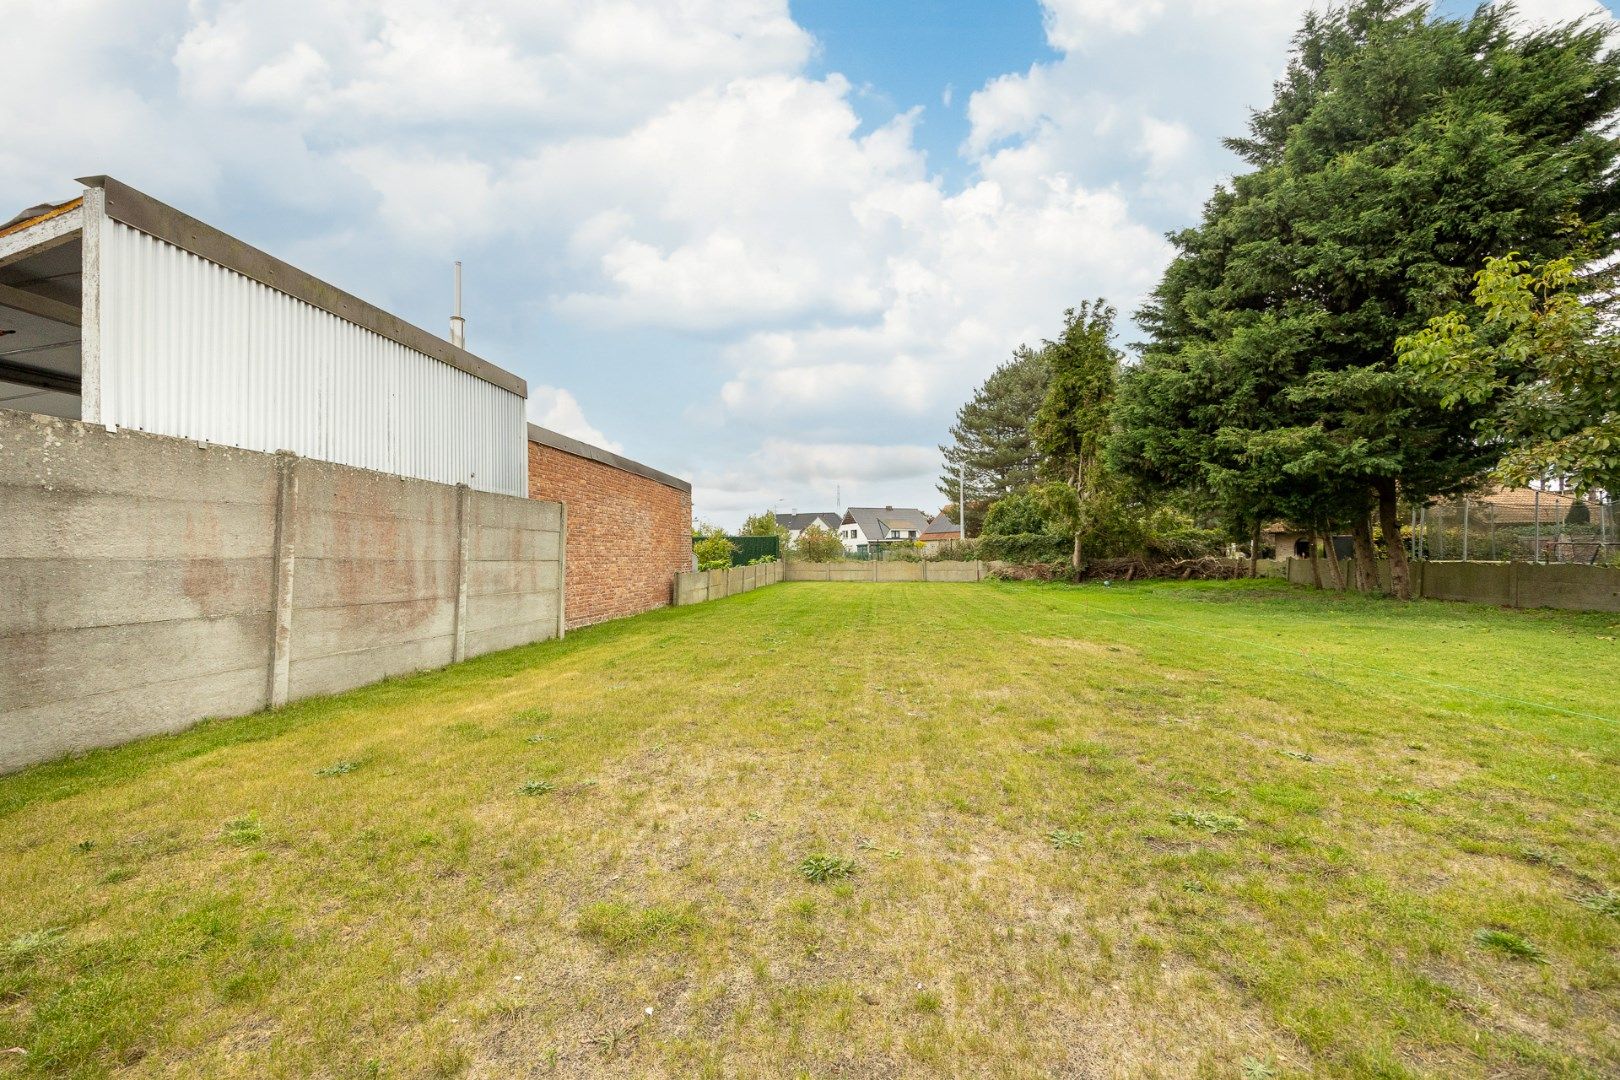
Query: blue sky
x=768 y=247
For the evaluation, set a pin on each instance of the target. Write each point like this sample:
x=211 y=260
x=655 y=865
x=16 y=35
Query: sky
x=769 y=246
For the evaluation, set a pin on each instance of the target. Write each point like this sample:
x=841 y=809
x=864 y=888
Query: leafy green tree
x=817 y=545
x=1399 y=152
x=1073 y=422
x=765 y=525
x=1542 y=363
x=992 y=441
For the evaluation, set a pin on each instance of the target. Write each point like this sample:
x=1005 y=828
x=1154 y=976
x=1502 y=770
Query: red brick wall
x=627 y=535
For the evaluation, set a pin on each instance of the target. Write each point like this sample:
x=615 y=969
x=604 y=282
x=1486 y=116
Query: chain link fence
x=1519 y=526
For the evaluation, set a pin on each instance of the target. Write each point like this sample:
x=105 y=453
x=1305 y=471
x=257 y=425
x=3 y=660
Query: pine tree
x=993 y=443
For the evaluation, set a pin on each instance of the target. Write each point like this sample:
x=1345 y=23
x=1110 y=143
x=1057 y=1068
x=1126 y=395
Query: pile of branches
x=1202 y=568
x=1132 y=568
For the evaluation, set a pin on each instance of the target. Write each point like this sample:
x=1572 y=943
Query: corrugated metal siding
x=193 y=349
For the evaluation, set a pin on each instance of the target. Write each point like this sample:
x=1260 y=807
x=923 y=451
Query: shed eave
x=142 y=212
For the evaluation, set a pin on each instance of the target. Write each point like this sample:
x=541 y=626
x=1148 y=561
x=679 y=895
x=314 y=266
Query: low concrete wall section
x=1522 y=585
x=696 y=586
x=886 y=571
x=148 y=582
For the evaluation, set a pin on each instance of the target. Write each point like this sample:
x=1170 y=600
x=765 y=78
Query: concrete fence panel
x=148 y=582
x=697 y=586
x=1565 y=586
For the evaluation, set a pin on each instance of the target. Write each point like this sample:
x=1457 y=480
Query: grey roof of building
x=827 y=519
x=941 y=524
x=872 y=519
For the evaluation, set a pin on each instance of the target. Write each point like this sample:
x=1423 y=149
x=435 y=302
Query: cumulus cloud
x=557 y=409
x=663 y=198
x=791 y=474
x=1558 y=12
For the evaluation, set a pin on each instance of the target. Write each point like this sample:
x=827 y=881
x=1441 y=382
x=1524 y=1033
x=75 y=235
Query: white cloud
x=664 y=189
x=789 y=474
x=557 y=409
x=1558 y=12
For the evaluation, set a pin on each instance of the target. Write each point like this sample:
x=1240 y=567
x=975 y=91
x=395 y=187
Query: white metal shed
x=119 y=310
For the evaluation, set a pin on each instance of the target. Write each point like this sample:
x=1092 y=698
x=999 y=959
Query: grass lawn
x=1228 y=830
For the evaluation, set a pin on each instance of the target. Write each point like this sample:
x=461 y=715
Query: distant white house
x=795 y=524
x=866 y=527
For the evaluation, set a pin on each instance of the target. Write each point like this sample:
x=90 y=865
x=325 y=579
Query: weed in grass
x=1510 y=943
x=536 y=787
x=1208 y=820
x=541 y=737
x=1415 y=799
x=1604 y=903
x=821 y=868
x=621 y=927
x=1297 y=755
x=927 y=1002
x=243 y=830
x=1540 y=856
x=338 y=768
x=24 y=948
x=1066 y=838
x=85 y=847
x=1255 y=1069
x=113 y=877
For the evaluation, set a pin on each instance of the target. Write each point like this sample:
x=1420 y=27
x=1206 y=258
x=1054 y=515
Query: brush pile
x=1134 y=568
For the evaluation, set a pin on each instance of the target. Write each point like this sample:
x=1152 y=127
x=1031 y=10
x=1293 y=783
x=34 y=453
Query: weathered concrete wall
x=694 y=587
x=1522 y=585
x=886 y=571
x=148 y=582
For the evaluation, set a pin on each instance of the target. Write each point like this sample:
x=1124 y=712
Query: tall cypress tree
x=1074 y=419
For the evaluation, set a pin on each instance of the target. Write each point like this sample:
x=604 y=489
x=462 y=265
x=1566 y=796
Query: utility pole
x=1538 y=523
x=961 y=501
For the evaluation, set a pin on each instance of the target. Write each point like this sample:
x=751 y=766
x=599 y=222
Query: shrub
x=955 y=551
x=1026 y=548
x=818 y=545
x=712 y=549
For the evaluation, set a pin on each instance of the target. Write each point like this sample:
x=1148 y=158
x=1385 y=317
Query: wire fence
x=1529 y=526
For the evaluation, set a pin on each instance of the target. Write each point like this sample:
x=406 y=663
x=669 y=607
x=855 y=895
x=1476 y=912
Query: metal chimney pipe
x=458 y=325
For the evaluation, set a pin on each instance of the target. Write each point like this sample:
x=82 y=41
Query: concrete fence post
x=562 y=571
x=281 y=600
x=463 y=545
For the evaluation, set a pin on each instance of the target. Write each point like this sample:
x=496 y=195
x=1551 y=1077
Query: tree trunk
x=1333 y=562
x=1400 y=572
x=1366 y=558
x=1254 y=550
x=1316 y=565
x=1077 y=553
